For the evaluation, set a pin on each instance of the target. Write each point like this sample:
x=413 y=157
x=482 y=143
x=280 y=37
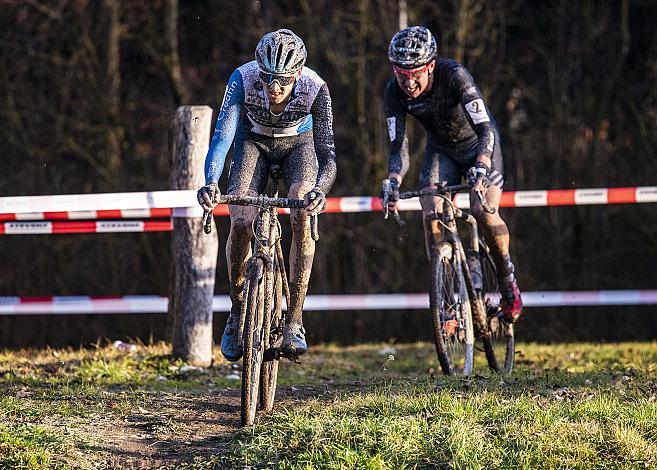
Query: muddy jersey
x=309 y=109
x=452 y=112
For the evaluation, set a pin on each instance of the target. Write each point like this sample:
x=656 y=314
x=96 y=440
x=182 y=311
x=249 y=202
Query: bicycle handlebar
x=437 y=191
x=459 y=188
x=263 y=202
x=442 y=190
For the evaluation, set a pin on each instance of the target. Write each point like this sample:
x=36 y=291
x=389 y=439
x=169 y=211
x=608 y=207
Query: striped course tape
x=97 y=202
x=183 y=203
x=157 y=304
x=97 y=226
x=88 y=215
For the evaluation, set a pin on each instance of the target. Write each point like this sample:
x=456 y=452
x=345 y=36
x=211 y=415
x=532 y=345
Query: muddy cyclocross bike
x=463 y=292
x=261 y=317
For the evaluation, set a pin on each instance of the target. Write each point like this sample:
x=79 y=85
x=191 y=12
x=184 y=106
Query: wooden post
x=194 y=257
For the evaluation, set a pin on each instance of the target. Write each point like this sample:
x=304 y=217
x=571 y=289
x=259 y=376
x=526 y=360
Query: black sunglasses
x=283 y=80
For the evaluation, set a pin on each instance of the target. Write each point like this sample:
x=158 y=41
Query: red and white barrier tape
x=89 y=215
x=156 y=304
x=183 y=203
x=98 y=226
x=97 y=202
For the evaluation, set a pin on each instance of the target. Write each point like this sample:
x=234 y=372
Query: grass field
x=370 y=406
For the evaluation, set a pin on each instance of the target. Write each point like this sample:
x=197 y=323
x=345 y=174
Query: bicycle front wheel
x=451 y=313
x=499 y=339
x=252 y=343
x=273 y=333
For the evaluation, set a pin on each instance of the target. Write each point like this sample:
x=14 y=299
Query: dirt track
x=169 y=430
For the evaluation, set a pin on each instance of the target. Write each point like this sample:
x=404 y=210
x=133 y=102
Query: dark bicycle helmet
x=412 y=47
x=280 y=52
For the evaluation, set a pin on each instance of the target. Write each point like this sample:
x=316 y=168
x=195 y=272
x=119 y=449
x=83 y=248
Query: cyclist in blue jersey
x=462 y=140
x=275 y=110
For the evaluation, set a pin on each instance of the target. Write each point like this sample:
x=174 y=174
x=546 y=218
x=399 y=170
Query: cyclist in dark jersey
x=462 y=140
x=287 y=119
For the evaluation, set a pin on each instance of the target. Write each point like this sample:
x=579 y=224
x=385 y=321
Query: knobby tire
x=500 y=343
x=252 y=344
x=273 y=336
x=449 y=300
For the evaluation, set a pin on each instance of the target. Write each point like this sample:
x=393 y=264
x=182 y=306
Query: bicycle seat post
x=276 y=173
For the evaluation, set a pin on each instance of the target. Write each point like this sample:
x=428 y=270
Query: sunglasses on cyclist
x=283 y=80
x=414 y=74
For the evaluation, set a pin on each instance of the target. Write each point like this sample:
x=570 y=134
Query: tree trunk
x=194 y=253
x=463 y=25
x=403 y=15
x=172 y=57
x=115 y=133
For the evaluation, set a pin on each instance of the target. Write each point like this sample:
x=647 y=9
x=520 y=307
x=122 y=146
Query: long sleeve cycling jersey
x=451 y=112
x=309 y=109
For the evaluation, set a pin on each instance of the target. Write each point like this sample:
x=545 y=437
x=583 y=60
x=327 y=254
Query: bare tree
x=115 y=131
x=172 y=57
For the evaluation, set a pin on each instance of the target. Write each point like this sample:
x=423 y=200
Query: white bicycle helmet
x=280 y=52
x=412 y=47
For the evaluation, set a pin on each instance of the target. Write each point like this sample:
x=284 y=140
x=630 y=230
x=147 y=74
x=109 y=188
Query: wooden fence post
x=194 y=257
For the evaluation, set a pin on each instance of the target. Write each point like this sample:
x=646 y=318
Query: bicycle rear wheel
x=499 y=342
x=252 y=343
x=452 y=315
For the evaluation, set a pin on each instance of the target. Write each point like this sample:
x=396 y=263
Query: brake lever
x=207 y=222
x=484 y=203
x=314 y=230
x=385 y=191
x=398 y=220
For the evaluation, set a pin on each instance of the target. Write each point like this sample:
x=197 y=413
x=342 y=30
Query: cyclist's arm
x=398 y=161
x=466 y=92
x=323 y=135
x=225 y=129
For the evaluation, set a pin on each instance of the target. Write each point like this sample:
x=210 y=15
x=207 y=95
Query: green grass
x=565 y=406
x=29 y=446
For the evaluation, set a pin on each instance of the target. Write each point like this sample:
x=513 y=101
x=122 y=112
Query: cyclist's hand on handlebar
x=315 y=201
x=207 y=196
x=393 y=195
x=479 y=177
